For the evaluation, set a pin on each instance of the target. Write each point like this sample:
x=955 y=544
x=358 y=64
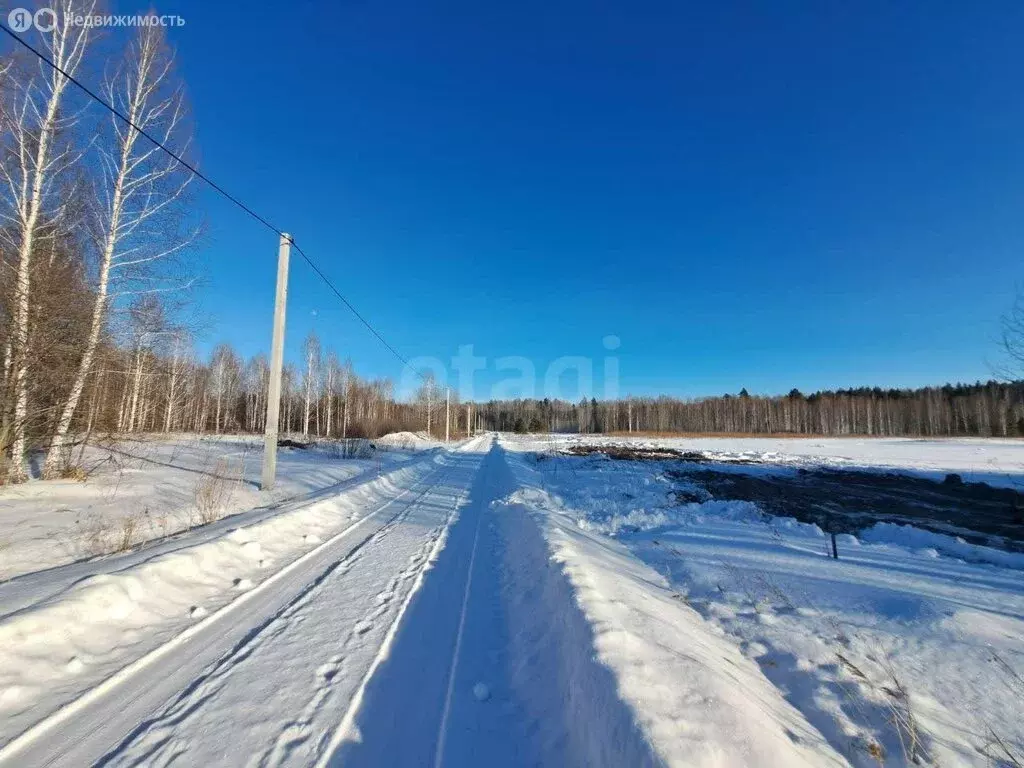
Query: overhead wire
x=213 y=185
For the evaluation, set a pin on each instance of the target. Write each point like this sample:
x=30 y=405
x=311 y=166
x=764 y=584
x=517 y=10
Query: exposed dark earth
x=846 y=501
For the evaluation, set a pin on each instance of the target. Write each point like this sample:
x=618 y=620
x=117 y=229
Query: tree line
x=990 y=409
x=165 y=388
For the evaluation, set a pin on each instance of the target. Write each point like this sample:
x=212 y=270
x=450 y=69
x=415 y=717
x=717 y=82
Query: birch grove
x=94 y=228
x=37 y=153
x=135 y=226
x=165 y=387
x=311 y=358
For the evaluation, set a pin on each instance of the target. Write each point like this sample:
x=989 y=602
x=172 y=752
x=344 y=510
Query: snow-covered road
x=270 y=682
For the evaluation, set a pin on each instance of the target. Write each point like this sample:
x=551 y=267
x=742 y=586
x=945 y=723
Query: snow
x=998 y=462
x=494 y=612
x=932 y=544
x=911 y=642
x=492 y=602
x=147 y=488
x=699 y=701
x=406 y=440
x=117 y=618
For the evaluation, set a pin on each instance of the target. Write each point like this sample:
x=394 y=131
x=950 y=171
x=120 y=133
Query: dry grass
x=998 y=750
x=127 y=538
x=92 y=535
x=903 y=719
x=214 y=490
x=1001 y=754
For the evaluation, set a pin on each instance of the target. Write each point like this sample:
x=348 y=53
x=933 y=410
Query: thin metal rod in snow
x=835 y=549
x=276 y=362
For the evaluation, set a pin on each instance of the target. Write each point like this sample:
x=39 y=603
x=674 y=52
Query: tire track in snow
x=507 y=676
x=159 y=730
x=345 y=728
x=453 y=665
x=299 y=731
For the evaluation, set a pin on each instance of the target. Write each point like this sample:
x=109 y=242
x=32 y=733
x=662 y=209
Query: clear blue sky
x=760 y=195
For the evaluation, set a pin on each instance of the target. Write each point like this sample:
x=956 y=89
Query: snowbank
x=933 y=544
x=697 y=698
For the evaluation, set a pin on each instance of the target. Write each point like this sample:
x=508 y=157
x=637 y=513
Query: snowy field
x=139 y=490
x=992 y=461
x=740 y=641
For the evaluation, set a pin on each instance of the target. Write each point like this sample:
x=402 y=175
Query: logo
x=45 y=19
x=19 y=20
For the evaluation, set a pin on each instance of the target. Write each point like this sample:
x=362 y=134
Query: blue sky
x=759 y=195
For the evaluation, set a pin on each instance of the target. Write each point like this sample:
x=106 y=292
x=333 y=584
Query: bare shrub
x=350 y=448
x=214 y=490
x=93 y=535
x=72 y=472
x=89 y=536
x=357 y=448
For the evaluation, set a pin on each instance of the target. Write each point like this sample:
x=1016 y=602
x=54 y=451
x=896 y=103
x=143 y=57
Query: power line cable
x=337 y=293
x=113 y=110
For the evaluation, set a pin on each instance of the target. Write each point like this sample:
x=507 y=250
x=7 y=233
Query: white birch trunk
x=66 y=45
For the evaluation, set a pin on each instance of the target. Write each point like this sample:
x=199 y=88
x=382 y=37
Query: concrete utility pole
x=447 y=409
x=469 y=420
x=276 y=362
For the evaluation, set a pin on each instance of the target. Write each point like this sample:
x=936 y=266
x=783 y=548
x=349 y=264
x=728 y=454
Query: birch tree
x=148 y=324
x=136 y=227
x=311 y=355
x=332 y=382
x=175 y=372
x=37 y=155
x=427 y=395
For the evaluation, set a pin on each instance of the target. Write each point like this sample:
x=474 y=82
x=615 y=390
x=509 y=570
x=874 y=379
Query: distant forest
x=991 y=409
